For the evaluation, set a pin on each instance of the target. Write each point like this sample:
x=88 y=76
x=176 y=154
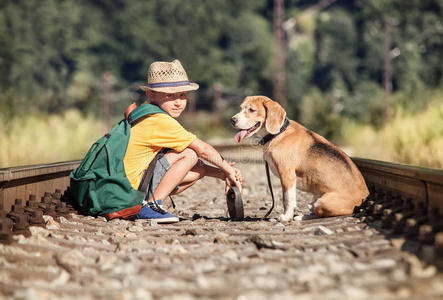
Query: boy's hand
x=233 y=178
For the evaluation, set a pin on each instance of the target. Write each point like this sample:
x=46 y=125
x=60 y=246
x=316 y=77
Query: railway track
x=392 y=247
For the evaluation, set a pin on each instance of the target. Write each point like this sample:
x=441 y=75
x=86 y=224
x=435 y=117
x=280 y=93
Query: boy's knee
x=190 y=155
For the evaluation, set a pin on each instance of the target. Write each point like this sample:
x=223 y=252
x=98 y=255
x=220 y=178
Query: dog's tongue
x=240 y=135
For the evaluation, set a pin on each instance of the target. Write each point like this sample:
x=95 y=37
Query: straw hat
x=168 y=77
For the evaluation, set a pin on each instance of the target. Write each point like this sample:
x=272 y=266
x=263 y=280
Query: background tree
x=53 y=53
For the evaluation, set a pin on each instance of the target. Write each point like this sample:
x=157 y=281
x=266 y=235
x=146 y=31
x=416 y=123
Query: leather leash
x=262 y=142
x=270 y=189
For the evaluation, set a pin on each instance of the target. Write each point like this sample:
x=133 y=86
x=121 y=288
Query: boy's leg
x=174 y=173
x=195 y=174
x=173 y=182
x=180 y=164
x=166 y=177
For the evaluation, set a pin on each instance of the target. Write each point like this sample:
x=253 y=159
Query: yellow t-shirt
x=150 y=136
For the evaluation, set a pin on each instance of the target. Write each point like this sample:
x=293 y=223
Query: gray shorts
x=160 y=169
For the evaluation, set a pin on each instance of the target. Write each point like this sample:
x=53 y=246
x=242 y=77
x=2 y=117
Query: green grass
x=41 y=138
x=410 y=138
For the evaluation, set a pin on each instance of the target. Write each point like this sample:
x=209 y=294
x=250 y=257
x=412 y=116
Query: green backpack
x=99 y=185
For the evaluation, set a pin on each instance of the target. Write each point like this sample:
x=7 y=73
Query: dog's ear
x=275 y=116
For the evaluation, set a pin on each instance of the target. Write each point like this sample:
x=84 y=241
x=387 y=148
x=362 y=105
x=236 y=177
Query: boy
x=180 y=167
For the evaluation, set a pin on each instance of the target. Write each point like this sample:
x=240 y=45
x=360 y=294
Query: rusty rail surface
x=409 y=196
x=424 y=187
x=20 y=182
x=421 y=186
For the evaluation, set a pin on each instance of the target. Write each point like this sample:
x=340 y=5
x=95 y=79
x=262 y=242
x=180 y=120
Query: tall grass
x=410 y=138
x=41 y=138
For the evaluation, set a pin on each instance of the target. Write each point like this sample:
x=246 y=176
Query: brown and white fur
x=302 y=159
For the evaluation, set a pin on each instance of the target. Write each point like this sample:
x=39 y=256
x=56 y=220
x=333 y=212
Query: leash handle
x=270 y=189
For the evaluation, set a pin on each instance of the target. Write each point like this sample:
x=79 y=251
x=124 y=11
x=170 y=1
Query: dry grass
x=411 y=138
x=415 y=139
x=40 y=138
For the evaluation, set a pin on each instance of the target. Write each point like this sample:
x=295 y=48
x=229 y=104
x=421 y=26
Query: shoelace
x=157 y=207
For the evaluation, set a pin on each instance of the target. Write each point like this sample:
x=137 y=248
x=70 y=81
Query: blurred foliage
x=206 y=127
x=336 y=62
x=44 y=138
x=49 y=47
x=54 y=53
x=319 y=115
x=411 y=137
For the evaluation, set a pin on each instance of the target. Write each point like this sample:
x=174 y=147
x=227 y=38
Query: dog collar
x=269 y=137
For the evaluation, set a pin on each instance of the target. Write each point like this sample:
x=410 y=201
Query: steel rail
x=423 y=186
x=417 y=183
x=20 y=182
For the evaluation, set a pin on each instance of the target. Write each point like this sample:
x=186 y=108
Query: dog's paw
x=284 y=218
x=298 y=218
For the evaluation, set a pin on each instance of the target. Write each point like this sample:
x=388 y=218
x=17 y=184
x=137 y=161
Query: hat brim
x=172 y=89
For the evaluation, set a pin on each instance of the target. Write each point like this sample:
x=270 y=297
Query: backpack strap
x=130 y=109
x=146 y=180
x=143 y=110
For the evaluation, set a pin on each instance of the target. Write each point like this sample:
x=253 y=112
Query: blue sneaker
x=151 y=211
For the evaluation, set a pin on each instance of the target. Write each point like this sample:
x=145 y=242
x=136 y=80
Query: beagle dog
x=302 y=159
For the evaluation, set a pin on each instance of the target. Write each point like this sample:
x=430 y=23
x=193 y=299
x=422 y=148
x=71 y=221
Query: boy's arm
x=208 y=153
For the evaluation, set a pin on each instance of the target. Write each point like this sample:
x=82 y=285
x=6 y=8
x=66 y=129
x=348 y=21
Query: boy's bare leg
x=185 y=170
x=199 y=171
x=180 y=164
